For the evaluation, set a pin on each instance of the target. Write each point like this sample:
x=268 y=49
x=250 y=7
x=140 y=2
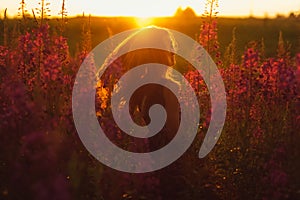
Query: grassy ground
x=247 y=30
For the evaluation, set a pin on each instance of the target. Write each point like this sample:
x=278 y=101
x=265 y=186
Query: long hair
x=158 y=38
x=152 y=35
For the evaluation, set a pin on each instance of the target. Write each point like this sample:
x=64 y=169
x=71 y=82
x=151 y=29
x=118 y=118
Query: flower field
x=256 y=157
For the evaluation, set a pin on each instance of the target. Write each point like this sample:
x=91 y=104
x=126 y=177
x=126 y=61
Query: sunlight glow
x=143 y=21
x=157 y=8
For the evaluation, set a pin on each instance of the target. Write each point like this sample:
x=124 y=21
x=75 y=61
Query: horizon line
x=16 y=16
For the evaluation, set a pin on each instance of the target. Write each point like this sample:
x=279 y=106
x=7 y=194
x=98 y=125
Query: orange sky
x=147 y=8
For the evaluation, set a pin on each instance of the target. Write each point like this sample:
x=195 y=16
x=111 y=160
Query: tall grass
x=43 y=158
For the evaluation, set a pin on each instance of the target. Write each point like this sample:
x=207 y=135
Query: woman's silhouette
x=143 y=98
x=146 y=96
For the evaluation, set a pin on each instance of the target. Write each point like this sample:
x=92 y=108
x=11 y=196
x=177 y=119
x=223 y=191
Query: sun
x=143 y=21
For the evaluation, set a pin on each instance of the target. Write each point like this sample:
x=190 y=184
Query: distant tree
x=292 y=15
x=178 y=12
x=279 y=16
x=186 y=13
x=189 y=13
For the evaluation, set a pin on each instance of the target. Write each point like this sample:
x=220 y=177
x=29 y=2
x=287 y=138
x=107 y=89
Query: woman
x=146 y=96
x=141 y=101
